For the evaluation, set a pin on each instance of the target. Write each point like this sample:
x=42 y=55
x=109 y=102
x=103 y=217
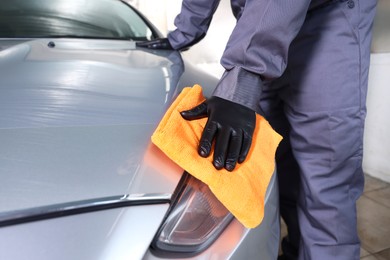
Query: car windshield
x=111 y=19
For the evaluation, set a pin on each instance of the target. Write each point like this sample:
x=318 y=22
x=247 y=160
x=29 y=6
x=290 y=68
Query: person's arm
x=192 y=23
x=257 y=49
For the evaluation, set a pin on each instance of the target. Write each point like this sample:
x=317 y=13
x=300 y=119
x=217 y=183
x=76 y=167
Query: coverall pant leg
x=318 y=105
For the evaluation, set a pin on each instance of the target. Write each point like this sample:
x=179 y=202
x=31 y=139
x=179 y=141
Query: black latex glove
x=160 y=43
x=231 y=125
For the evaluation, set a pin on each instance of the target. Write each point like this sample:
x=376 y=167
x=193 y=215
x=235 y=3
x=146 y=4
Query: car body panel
x=118 y=234
x=102 y=235
x=75 y=125
x=82 y=132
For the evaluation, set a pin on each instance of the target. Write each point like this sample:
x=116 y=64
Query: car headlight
x=195 y=220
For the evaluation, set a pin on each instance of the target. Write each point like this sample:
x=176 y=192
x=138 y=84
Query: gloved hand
x=160 y=43
x=230 y=124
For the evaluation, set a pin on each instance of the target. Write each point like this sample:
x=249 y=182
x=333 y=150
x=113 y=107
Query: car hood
x=76 y=120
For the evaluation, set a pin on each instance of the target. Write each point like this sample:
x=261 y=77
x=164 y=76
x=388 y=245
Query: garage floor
x=373 y=220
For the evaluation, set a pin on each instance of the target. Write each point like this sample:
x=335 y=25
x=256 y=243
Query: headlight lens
x=194 y=222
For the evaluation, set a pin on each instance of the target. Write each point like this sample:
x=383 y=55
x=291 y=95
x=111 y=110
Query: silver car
x=80 y=178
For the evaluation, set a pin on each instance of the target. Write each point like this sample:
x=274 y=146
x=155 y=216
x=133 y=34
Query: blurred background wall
x=377 y=133
x=207 y=53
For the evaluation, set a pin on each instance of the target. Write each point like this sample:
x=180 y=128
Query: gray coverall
x=303 y=65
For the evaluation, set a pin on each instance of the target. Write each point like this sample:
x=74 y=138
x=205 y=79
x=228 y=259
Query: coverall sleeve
x=257 y=49
x=192 y=23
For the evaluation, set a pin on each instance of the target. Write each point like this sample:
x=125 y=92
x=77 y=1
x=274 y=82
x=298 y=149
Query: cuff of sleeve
x=179 y=40
x=176 y=39
x=240 y=86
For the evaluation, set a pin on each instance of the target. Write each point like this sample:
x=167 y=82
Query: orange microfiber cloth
x=241 y=191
